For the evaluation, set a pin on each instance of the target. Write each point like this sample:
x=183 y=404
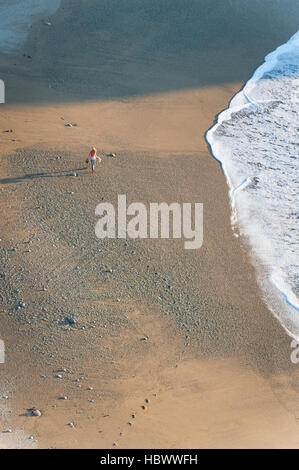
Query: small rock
x=74 y=174
x=71 y=424
x=7 y=430
x=63 y=398
x=30 y=437
x=144 y=338
x=4 y=397
x=36 y=413
x=89 y=388
x=58 y=376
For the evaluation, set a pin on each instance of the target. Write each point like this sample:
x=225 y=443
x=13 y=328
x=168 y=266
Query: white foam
x=256 y=140
x=16 y=17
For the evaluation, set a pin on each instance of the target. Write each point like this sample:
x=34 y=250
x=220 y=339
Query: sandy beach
x=170 y=348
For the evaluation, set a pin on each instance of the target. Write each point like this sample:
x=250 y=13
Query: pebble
x=74 y=174
x=63 y=398
x=71 y=425
x=30 y=437
x=58 y=376
x=89 y=388
x=36 y=413
x=4 y=397
x=7 y=430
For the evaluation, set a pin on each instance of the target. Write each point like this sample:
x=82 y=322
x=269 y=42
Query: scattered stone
x=47 y=23
x=62 y=398
x=73 y=124
x=43 y=376
x=36 y=413
x=58 y=376
x=62 y=369
x=142 y=407
x=133 y=416
x=144 y=338
x=146 y=400
x=4 y=397
x=111 y=154
x=7 y=430
x=74 y=174
x=8 y=130
x=70 y=320
x=89 y=388
x=71 y=424
x=30 y=437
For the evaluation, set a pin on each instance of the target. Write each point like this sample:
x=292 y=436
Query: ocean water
x=257 y=141
x=16 y=17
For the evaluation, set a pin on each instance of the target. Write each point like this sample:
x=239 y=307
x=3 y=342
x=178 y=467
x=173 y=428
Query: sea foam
x=256 y=140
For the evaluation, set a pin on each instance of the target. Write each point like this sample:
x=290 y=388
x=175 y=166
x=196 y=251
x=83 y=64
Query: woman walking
x=93 y=157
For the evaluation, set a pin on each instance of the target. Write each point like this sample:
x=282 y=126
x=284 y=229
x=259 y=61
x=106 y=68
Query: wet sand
x=215 y=370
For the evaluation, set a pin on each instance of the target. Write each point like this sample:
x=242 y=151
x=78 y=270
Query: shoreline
x=283 y=295
x=216 y=370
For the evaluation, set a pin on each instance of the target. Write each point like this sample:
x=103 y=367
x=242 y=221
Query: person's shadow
x=48 y=174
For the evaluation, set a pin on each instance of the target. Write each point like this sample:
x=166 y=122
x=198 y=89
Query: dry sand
x=145 y=82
